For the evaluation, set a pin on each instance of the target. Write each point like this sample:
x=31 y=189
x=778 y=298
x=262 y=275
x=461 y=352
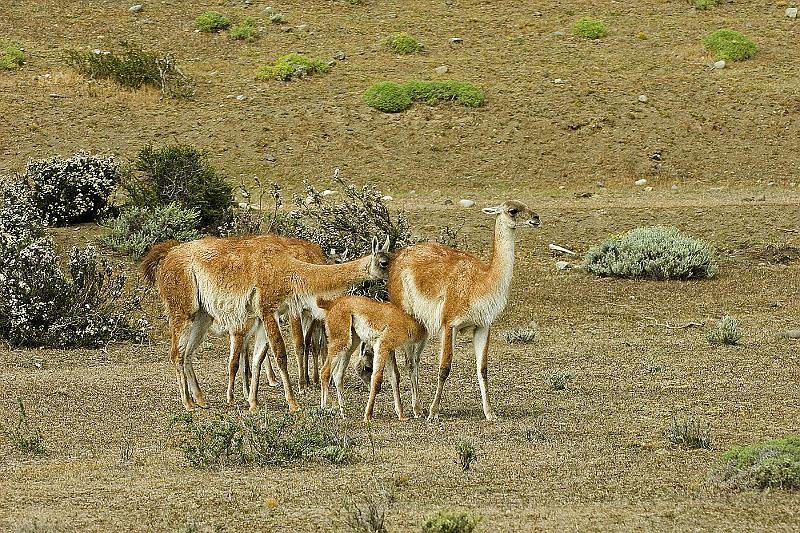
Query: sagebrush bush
x=689 y=432
x=291 y=66
x=729 y=45
x=11 y=58
x=558 y=379
x=212 y=22
x=521 y=334
x=655 y=252
x=88 y=305
x=391 y=97
x=262 y=440
x=770 y=464
x=403 y=43
x=133 y=68
x=137 y=229
x=589 y=28
x=369 y=515
x=246 y=30
x=725 y=332
x=451 y=522
x=181 y=174
x=22 y=436
x=71 y=190
x=467 y=452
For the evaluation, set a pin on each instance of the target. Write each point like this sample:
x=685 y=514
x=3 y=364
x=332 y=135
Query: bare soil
x=725 y=139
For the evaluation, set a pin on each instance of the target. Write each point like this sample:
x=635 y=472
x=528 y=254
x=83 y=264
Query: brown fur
x=150 y=262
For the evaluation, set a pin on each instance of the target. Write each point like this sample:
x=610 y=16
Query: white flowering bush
x=655 y=252
x=41 y=304
x=137 y=229
x=76 y=189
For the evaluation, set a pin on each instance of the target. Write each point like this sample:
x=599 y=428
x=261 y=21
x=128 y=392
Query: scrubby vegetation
x=403 y=43
x=689 y=432
x=451 y=522
x=262 y=440
x=11 y=58
x=558 y=379
x=703 y=5
x=467 y=453
x=137 y=229
x=725 y=332
x=212 y=22
x=655 y=252
x=133 y=68
x=770 y=464
x=23 y=437
x=180 y=174
x=589 y=28
x=246 y=30
x=291 y=66
x=521 y=334
x=391 y=97
x=369 y=514
x=729 y=45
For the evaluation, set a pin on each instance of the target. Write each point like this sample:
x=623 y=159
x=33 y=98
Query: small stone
x=791 y=12
x=241 y=97
x=243 y=205
x=466 y=203
x=387 y=198
x=558 y=34
x=339 y=56
x=648 y=189
x=674 y=187
x=328 y=192
x=559 y=81
x=456 y=40
x=136 y=8
x=719 y=64
x=643 y=98
x=302 y=27
x=600 y=184
x=448 y=201
x=441 y=69
x=760 y=198
x=270 y=157
x=536 y=14
x=640 y=182
x=332 y=63
x=288 y=29
x=562 y=265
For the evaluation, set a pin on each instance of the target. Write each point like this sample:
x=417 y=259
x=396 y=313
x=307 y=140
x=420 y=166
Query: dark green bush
x=292 y=65
x=451 y=522
x=403 y=43
x=11 y=58
x=729 y=45
x=212 y=22
x=655 y=252
x=589 y=28
x=182 y=174
x=137 y=229
x=770 y=464
x=392 y=97
x=133 y=68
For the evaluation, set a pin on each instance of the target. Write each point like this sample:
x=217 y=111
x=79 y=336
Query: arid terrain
x=563 y=129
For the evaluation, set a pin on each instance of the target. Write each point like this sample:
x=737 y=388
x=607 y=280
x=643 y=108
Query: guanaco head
x=513 y=213
x=381 y=257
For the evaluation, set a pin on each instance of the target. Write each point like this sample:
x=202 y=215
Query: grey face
x=520 y=213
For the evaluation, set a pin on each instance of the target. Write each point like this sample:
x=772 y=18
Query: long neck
x=501 y=265
x=327 y=279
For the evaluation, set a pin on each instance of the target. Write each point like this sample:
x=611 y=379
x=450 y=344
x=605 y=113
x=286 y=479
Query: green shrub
x=391 y=97
x=23 y=437
x=558 y=379
x=277 y=18
x=212 y=22
x=71 y=190
x=770 y=464
x=467 y=453
x=11 y=58
x=133 y=68
x=451 y=522
x=702 y=5
x=655 y=252
x=182 y=174
x=403 y=43
x=689 y=432
x=246 y=30
x=589 y=28
x=729 y=45
x=521 y=335
x=137 y=229
x=292 y=65
x=726 y=332
x=262 y=440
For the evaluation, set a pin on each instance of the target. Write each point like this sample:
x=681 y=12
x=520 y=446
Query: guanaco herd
x=241 y=286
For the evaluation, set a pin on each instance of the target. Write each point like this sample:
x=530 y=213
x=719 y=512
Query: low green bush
x=246 y=30
x=451 y=522
x=655 y=252
x=11 y=58
x=703 y=5
x=388 y=96
x=292 y=65
x=391 y=97
x=467 y=452
x=589 y=28
x=403 y=43
x=212 y=22
x=770 y=464
x=729 y=45
x=725 y=332
x=137 y=229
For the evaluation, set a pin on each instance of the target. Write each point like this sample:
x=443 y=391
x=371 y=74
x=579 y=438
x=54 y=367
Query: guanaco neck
x=501 y=265
x=327 y=279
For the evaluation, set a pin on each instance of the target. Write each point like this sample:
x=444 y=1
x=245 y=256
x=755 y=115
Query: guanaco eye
x=513 y=211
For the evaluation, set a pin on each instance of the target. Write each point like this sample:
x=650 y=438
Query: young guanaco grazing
x=450 y=290
x=350 y=320
x=231 y=279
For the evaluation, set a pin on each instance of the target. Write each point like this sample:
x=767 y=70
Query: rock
x=244 y=205
x=643 y=98
x=448 y=201
x=138 y=7
x=719 y=64
x=332 y=63
x=674 y=187
x=760 y=198
x=601 y=184
x=456 y=40
x=270 y=157
x=648 y=189
x=790 y=334
x=640 y=182
x=559 y=81
x=387 y=198
x=241 y=97
x=536 y=14
x=328 y=192
x=466 y=203
x=558 y=34
x=302 y=27
x=562 y=265
x=339 y=56
x=441 y=69
x=561 y=249
x=791 y=12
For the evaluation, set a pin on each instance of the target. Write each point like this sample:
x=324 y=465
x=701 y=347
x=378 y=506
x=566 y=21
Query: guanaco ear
x=492 y=210
x=385 y=245
x=374 y=245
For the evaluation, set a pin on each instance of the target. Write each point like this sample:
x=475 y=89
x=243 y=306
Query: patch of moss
x=246 y=30
x=292 y=65
x=729 y=45
x=770 y=464
x=392 y=97
x=388 y=97
x=11 y=58
x=403 y=43
x=589 y=28
x=212 y=21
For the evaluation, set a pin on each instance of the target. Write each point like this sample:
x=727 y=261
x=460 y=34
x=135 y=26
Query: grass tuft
x=726 y=332
x=391 y=97
x=770 y=464
x=729 y=45
x=23 y=437
x=451 y=522
x=403 y=43
x=702 y=5
x=212 y=22
x=11 y=58
x=589 y=28
x=246 y=30
x=291 y=66
x=558 y=379
x=467 y=453
x=137 y=229
x=689 y=432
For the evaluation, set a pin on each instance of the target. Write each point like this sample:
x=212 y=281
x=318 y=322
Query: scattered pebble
x=648 y=189
x=339 y=56
x=138 y=7
x=719 y=64
x=302 y=27
x=600 y=184
x=332 y=63
x=448 y=201
x=558 y=34
x=455 y=40
x=674 y=187
x=640 y=182
x=270 y=157
x=244 y=205
x=328 y=192
x=562 y=265
x=791 y=12
x=536 y=14
x=241 y=97
x=441 y=69
x=643 y=98
x=466 y=203
x=559 y=81
x=387 y=198
x=760 y=198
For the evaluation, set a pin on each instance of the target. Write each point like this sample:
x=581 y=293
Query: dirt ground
x=718 y=148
